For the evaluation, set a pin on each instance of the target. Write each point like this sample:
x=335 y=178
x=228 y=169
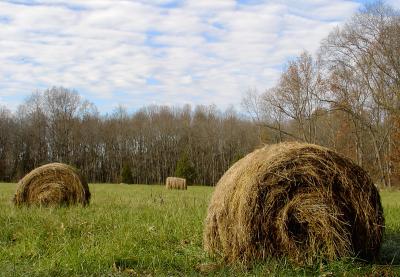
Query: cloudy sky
x=141 y=52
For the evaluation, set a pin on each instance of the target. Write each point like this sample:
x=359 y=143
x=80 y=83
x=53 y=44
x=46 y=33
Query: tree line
x=346 y=97
x=143 y=147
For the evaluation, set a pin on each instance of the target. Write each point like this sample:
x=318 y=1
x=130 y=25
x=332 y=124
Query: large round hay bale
x=52 y=184
x=175 y=183
x=300 y=201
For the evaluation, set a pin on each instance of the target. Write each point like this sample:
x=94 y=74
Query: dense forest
x=346 y=97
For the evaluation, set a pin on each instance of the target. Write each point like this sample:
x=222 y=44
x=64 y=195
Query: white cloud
x=394 y=3
x=197 y=51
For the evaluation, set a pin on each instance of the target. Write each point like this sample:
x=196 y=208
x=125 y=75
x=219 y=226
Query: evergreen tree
x=185 y=169
x=126 y=174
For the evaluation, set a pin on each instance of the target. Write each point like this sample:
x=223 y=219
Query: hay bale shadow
x=121 y=264
x=390 y=251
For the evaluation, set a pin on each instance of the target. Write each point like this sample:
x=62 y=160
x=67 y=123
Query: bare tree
x=6 y=137
x=296 y=96
x=364 y=78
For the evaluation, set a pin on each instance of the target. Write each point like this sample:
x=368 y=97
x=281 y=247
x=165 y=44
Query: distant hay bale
x=175 y=183
x=52 y=184
x=300 y=201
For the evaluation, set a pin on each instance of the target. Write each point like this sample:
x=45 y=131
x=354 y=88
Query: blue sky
x=169 y=52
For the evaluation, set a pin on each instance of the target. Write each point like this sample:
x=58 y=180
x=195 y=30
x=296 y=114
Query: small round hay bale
x=176 y=183
x=51 y=185
x=300 y=201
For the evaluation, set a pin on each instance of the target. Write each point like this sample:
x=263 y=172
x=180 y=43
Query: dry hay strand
x=52 y=185
x=300 y=201
x=175 y=183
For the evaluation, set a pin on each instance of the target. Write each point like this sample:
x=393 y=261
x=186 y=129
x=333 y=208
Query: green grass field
x=143 y=230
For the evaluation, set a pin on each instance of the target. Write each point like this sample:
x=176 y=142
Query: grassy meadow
x=146 y=230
